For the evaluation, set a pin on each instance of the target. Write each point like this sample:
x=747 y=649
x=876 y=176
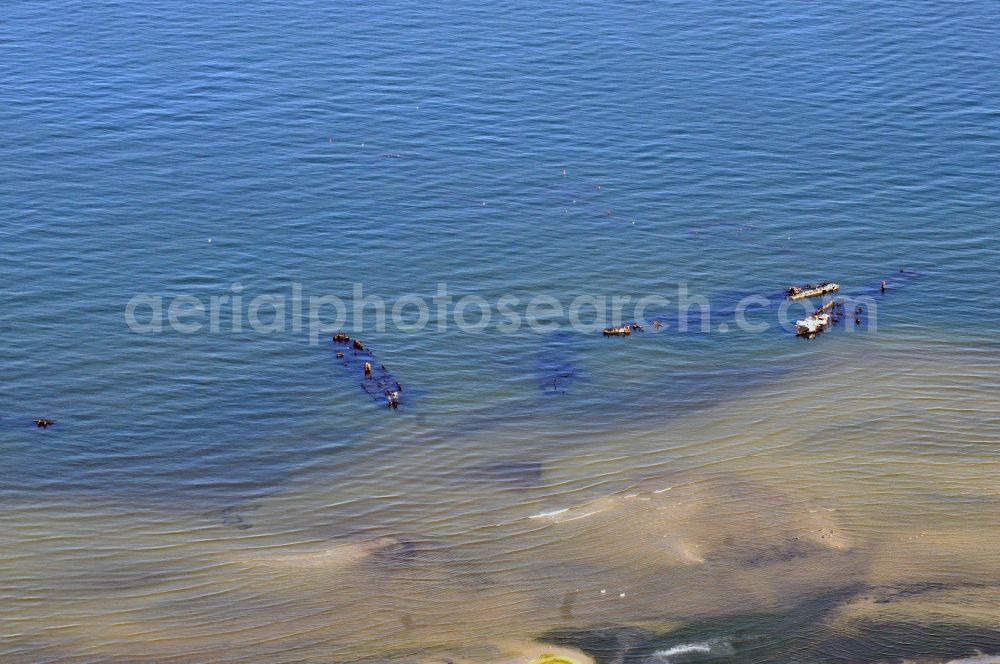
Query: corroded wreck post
x=811 y=290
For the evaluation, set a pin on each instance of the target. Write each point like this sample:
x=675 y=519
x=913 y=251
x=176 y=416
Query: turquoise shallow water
x=558 y=149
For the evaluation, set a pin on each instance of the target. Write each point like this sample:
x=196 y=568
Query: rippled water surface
x=673 y=497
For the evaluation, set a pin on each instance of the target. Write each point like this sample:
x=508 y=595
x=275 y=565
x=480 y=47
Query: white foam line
x=683 y=649
x=546 y=515
x=586 y=514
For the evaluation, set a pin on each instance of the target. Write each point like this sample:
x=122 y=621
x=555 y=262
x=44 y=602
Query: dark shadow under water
x=558 y=359
x=800 y=635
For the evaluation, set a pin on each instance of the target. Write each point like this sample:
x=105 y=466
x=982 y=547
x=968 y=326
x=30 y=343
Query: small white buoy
x=210 y=240
x=621 y=595
x=604 y=591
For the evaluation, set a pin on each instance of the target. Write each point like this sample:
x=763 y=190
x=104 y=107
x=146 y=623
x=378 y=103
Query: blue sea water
x=177 y=148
